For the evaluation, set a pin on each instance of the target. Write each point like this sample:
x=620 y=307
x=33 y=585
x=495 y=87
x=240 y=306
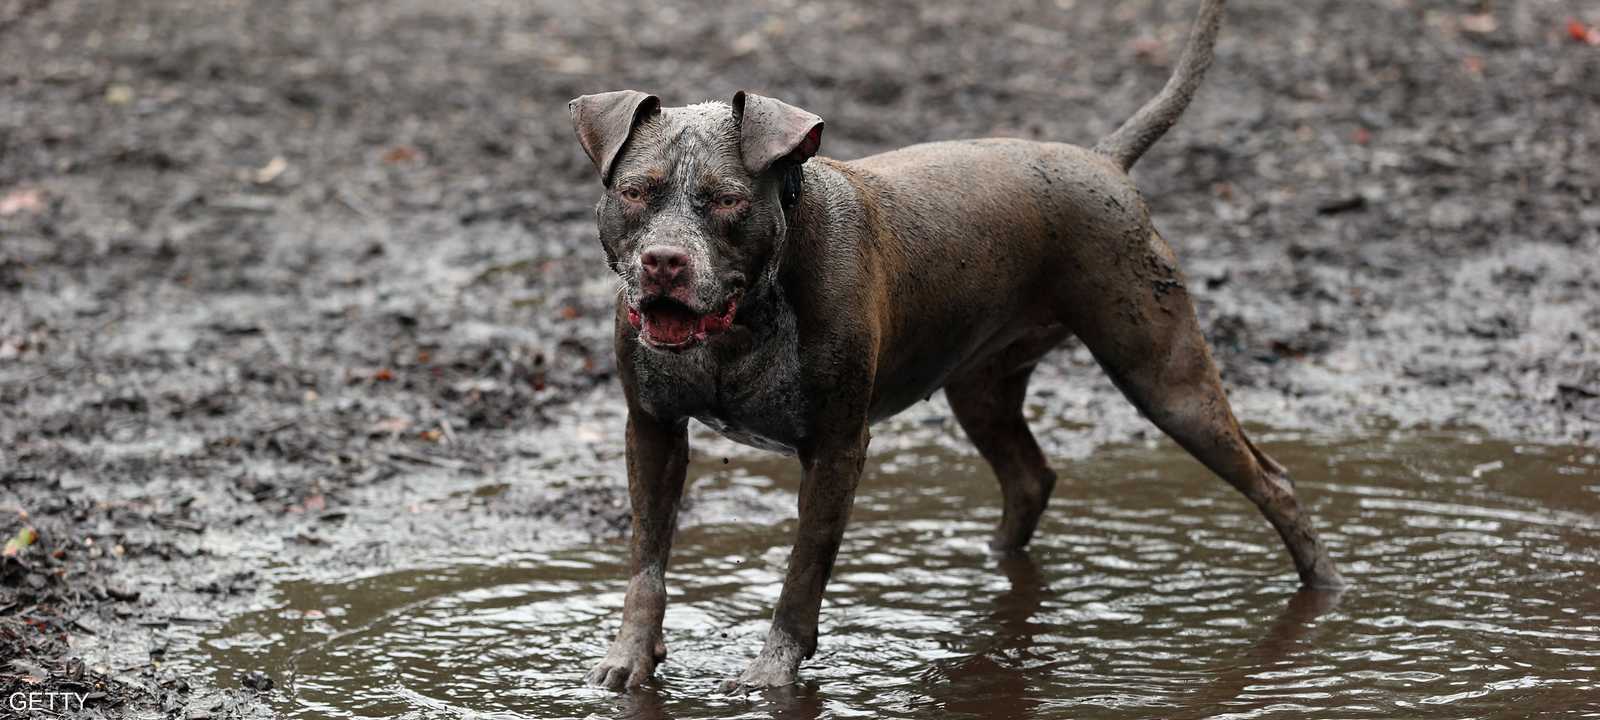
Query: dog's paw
x=770 y=669
x=627 y=664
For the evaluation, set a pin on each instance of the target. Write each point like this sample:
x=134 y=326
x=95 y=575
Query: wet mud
x=298 y=292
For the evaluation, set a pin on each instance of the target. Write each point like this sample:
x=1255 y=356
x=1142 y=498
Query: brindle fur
x=951 y=265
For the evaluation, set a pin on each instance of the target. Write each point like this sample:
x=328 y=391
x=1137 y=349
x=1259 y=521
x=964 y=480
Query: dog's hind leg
x=1140 y=325
x=988 y=404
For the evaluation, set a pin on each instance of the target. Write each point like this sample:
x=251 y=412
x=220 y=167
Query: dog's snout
x=664 y=260
x=664 y=267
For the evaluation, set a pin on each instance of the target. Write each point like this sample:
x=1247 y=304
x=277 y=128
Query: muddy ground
x=310 y=288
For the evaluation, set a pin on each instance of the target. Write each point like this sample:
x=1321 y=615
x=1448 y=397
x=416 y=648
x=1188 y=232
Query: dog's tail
x=1157 y=116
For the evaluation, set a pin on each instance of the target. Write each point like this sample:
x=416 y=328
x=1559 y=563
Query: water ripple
x=1152 y=590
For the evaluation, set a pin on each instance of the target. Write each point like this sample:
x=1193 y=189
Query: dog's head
x=693 y=214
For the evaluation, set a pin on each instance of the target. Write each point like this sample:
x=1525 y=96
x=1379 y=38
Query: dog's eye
x=728 y=202
x=633 y=195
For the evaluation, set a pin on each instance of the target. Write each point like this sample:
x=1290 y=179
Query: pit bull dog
x=789 y=301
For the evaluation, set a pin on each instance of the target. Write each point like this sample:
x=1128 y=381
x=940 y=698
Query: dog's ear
x=770 y=130
x=605 y=121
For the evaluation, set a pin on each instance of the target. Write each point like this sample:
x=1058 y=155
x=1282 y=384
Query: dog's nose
x=663 y=265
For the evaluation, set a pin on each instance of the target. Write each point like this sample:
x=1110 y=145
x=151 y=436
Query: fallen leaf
x=573 y=65
x=270 y=171
x=1362 y=136
x=21 y=201
x=401 y=154
x=1481 y=24
x=390 y=426
x=1150 y=50
x=746 y=44
x=119 y=94
x=24 y=537
x=383 y=375
x=1583 y=33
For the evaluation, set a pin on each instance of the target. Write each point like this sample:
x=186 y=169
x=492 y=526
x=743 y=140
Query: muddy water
x=1152 y=590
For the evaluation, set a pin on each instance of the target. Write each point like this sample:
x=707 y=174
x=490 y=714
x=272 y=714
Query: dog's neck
x=764 y=304
x=766 y=298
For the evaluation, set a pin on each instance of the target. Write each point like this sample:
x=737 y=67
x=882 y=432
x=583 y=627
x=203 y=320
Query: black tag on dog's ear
x=790 y=194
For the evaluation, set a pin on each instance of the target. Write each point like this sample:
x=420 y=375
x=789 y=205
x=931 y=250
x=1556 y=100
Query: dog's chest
x=754 y=398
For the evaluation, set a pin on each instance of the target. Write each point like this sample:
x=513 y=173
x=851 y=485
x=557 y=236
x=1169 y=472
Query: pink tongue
x=670 y=326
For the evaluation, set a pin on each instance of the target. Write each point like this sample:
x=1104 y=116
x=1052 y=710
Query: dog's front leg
x=827 y=490
x=658 y=454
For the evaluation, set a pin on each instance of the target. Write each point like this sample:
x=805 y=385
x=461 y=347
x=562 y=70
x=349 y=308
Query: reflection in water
x=1290 y=627
x=991 y=682
x=1152 y=590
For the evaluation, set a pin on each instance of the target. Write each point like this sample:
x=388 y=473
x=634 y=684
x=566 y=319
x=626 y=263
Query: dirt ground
x=281 y=283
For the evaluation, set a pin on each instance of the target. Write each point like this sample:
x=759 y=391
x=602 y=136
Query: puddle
x=1151 y=590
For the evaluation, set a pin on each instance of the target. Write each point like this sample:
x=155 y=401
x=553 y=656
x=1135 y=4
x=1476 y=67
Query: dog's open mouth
x=671 y=325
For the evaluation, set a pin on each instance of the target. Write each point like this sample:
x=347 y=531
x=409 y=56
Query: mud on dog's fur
x=788 y=301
